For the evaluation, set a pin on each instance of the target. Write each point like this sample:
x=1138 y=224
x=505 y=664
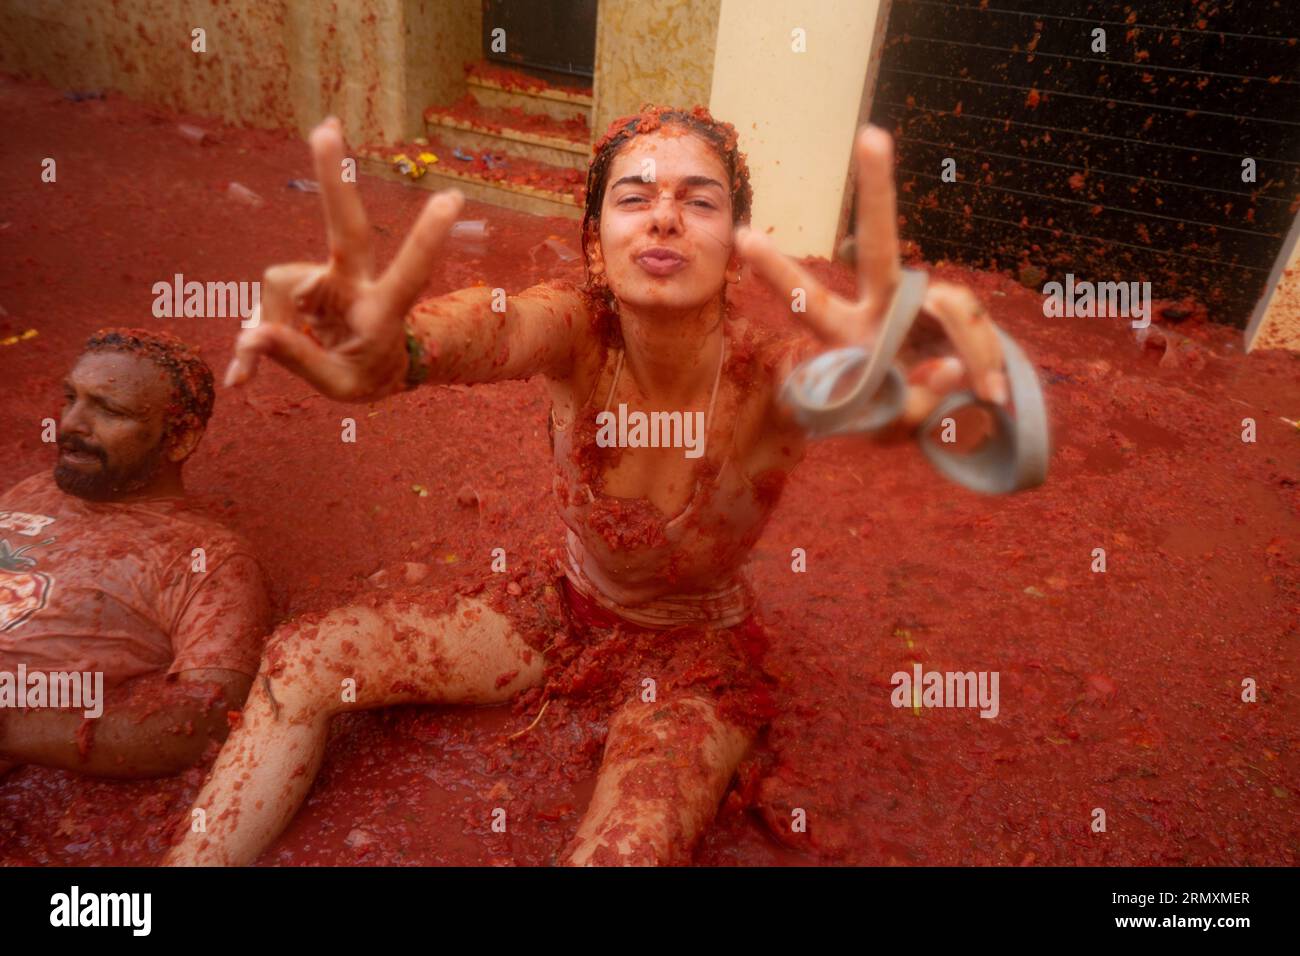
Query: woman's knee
x=355 y=658
x=310 y=664
x=469 y=654
x=665 y=769
x=689 y=725
x=628 y=846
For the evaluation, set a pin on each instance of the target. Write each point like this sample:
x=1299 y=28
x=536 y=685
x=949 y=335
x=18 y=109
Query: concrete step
x=476 y=127
x=507 y=179
x=499 y=87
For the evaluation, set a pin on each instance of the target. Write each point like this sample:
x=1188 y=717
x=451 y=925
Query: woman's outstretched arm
x=343 y=327
x=483 y=335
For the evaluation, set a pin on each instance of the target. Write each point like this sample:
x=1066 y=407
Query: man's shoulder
x=37 y=492
x=41 y=480
x=193 y=539
x=194 y=520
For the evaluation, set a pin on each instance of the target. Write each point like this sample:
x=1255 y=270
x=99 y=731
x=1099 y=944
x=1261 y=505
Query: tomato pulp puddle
x=1118 y=690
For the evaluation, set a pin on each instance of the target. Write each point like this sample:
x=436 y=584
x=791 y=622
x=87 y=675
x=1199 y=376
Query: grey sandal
x=1013 y=459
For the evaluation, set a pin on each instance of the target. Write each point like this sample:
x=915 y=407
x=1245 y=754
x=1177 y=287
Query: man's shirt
x=126 y=588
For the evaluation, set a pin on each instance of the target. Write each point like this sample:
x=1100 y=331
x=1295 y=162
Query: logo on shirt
x=23 y=523
x=23 y=589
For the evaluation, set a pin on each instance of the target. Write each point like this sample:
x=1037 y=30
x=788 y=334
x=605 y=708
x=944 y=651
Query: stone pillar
x=659 y=51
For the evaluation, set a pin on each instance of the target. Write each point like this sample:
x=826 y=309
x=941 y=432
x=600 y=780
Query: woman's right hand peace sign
x=335 y=324
x=843 y=322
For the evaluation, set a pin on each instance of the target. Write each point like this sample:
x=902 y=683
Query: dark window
x=555 y=35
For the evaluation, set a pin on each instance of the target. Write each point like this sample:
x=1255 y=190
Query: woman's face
x=665 y=223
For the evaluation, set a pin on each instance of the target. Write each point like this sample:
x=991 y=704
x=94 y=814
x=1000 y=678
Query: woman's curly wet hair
x=721 y=136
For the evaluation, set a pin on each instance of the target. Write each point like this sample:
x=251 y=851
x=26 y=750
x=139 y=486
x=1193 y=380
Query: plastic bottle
x=470 y=230
x=243 y=194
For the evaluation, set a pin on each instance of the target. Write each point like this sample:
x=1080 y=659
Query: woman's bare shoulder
x=587 y=333
x=571 y=302
x=769 y=354
x=762 y=358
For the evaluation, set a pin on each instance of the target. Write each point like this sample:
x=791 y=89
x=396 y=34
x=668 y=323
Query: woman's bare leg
x=665 y=769
x=396 y=654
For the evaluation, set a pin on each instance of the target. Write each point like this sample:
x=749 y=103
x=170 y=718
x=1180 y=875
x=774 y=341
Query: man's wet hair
x=193 y=392
x=698 y=120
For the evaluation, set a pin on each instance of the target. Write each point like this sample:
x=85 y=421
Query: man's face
x=111 y=431
x=685 y=210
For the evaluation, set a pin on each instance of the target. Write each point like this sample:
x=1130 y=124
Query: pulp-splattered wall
x=1117 y=164
x=268 y=63
x=142 y=48
x=656 y=50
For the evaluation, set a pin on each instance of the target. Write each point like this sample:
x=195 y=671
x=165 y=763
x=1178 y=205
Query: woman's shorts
x=595 y=658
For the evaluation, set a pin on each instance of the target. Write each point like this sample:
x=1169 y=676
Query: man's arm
x=159 y=724
x=151 y=727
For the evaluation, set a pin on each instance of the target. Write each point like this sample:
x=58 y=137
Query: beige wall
x=659 y=51
x=269 y=63
x=797 y=113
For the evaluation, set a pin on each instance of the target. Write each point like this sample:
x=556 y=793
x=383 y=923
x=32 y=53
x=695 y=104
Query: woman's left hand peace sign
x=839 y=322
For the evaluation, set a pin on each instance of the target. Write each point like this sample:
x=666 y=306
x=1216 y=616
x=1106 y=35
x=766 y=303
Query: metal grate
x=1123 y=165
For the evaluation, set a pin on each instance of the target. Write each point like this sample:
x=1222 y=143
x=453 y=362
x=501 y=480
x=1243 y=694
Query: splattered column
x=658 y=51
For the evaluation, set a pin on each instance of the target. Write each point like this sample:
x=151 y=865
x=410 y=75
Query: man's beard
x=107 y=484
